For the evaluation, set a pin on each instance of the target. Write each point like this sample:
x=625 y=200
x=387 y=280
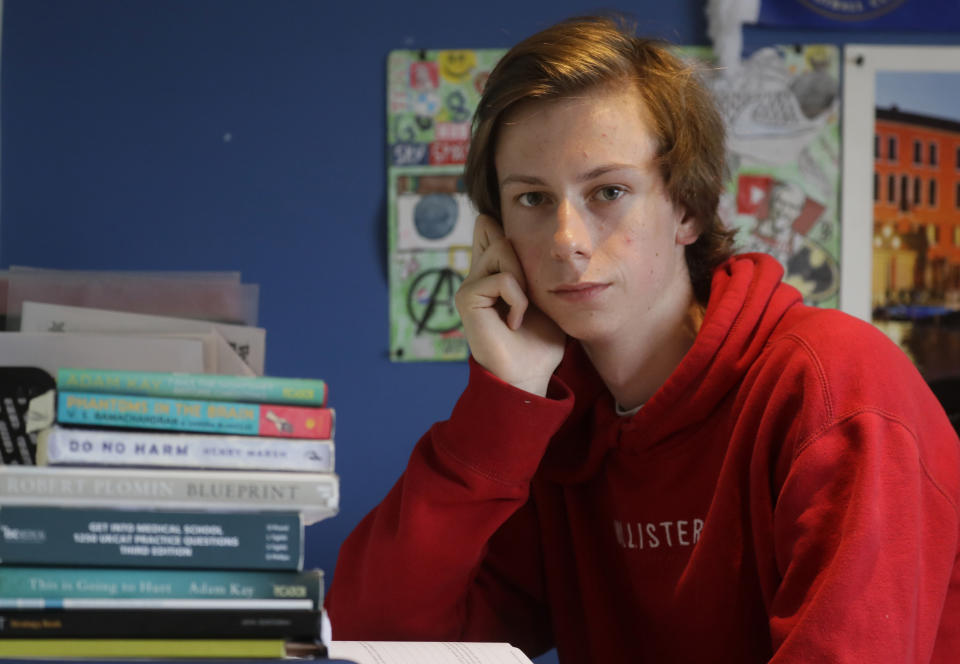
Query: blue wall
x=115 y=115
x=113 y=157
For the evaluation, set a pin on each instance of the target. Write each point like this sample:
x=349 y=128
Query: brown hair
x=594 y=52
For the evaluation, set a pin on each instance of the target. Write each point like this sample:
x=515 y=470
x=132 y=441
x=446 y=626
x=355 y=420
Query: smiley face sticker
x=455 y=66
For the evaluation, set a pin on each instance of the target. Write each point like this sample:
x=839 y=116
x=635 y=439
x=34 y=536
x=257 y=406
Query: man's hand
x=507 y=334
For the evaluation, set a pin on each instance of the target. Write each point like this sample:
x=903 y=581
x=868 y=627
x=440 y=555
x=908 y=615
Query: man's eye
x=530 y=199
x=609 y=193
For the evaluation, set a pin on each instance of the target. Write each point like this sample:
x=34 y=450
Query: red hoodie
x=790 y=494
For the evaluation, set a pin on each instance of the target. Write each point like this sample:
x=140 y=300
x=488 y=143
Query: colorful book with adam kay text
x=69 y=446
x=225 y=417
x=37 y=535
x=257 y=389
x=38 y=588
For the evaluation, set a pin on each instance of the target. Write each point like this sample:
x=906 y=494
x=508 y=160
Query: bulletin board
x=431 y=97
x=781 y=107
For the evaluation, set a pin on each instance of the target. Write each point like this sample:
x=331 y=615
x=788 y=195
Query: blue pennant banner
x=899 y=15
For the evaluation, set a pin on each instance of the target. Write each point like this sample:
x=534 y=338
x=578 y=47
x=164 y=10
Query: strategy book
x=103 y=537
x=258 y=389
x=66 y=446
x=150 y=648
x=315 y=495
x=161 y=623
x=174 y=414
x=113 y=588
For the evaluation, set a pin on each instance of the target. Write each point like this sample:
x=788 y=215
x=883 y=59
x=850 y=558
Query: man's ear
x=688 y=230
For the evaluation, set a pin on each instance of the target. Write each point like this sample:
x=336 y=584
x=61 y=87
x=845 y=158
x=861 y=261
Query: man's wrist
x=537 y=386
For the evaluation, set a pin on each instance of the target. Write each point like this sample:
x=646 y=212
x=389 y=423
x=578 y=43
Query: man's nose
x=572 y=234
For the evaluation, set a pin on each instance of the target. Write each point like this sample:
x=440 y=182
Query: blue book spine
x=219 y=417
x=36 y=535
x=57 y=587
x=265 y=389
x=141 y=412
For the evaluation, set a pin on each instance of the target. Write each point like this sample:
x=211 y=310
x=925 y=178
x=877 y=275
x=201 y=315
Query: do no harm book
x=59 y=446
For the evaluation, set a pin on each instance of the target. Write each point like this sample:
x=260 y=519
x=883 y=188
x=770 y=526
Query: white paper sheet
x=426 y=652
x=51 y=350
x=218 y=356
x=234 y=342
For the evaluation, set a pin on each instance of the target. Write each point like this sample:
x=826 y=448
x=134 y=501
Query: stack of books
x=165 y=516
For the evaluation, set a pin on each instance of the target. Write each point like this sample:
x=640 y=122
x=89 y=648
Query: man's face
x=600 y=243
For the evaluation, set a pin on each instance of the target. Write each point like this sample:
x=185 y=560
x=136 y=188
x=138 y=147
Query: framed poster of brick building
x=901 y=200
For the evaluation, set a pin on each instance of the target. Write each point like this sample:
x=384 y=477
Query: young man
x=661 y=453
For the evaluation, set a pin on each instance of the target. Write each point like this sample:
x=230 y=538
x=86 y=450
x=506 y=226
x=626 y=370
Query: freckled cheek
x=529 y=260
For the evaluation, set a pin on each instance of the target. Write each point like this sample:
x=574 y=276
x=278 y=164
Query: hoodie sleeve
x=452 y=552
x=866 y=531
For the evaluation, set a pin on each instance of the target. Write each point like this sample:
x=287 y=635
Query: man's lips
x=579 y=291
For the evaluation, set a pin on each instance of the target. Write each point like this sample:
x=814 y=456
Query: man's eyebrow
x=603 y=170
x=521 y=179
x=583 y=177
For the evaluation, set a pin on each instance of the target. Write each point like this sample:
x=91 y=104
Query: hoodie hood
x=747 y=301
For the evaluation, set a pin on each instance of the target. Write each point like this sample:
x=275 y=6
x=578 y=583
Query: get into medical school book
x=36 y=535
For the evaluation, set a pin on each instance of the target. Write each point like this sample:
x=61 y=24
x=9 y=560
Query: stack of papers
x=183 y=322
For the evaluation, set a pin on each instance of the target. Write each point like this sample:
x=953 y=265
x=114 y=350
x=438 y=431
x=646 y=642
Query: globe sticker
x=435 y=215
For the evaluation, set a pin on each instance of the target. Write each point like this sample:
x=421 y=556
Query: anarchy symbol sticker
x=430 y=301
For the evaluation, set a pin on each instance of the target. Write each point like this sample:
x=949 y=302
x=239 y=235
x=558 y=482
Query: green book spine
x=63 y=587
x=36 y=535
x=260 y=389
x=128 y=648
